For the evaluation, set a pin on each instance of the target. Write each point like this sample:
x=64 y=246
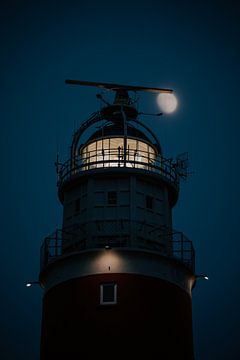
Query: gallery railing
x=113 y=233
x=113 y=158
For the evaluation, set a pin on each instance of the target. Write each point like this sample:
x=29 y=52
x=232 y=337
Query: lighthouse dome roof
x=117 y=129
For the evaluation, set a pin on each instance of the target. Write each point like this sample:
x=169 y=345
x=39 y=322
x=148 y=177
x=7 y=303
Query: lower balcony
x=118 y=234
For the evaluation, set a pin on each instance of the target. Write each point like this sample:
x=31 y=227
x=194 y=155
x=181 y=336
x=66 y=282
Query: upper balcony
x=115 y=157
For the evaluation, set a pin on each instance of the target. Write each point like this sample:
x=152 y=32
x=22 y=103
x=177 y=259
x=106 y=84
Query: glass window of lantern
x=105 y=152
x=116 y=151
x=99 y=153
x=109 y=152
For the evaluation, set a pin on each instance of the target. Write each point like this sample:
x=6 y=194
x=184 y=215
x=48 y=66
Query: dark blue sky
x=190 y=46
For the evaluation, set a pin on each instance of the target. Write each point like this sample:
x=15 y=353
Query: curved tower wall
x=104 y=206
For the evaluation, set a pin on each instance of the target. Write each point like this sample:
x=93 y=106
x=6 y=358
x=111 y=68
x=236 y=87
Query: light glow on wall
x=108 y=261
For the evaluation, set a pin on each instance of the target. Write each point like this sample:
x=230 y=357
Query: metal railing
x=113 y=158
x=115 y=233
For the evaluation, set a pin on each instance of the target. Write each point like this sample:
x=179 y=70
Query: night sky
x=190 y=46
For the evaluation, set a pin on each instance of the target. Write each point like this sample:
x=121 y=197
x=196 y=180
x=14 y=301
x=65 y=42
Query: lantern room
x=109 y=147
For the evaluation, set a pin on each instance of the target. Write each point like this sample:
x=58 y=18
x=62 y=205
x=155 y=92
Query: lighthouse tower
x=117 y=277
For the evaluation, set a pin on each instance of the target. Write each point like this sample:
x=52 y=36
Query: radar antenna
x=118 y=87
x=122 y=97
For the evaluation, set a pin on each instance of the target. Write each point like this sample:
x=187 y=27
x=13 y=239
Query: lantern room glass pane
x=109 y=152
x=99 y=144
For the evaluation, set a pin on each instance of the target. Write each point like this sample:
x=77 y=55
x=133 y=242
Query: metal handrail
x=112 y=158
x=172 y=244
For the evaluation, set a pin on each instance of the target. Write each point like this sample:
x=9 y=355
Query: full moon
x=167 y=102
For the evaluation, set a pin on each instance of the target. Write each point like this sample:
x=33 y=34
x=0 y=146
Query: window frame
x=114 y=302
x=149 y=201
x=112 y=200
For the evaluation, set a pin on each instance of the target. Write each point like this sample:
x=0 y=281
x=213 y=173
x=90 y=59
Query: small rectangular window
x=108 y=293
x=77 y=205
x=112 y=197
x=149 y=202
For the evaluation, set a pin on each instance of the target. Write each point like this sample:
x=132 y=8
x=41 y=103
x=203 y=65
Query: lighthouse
x=117 y=278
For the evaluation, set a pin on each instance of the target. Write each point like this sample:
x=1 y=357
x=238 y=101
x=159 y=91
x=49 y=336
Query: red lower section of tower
x=152 y=318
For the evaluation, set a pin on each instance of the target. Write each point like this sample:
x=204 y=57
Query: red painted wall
x=152 y=318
